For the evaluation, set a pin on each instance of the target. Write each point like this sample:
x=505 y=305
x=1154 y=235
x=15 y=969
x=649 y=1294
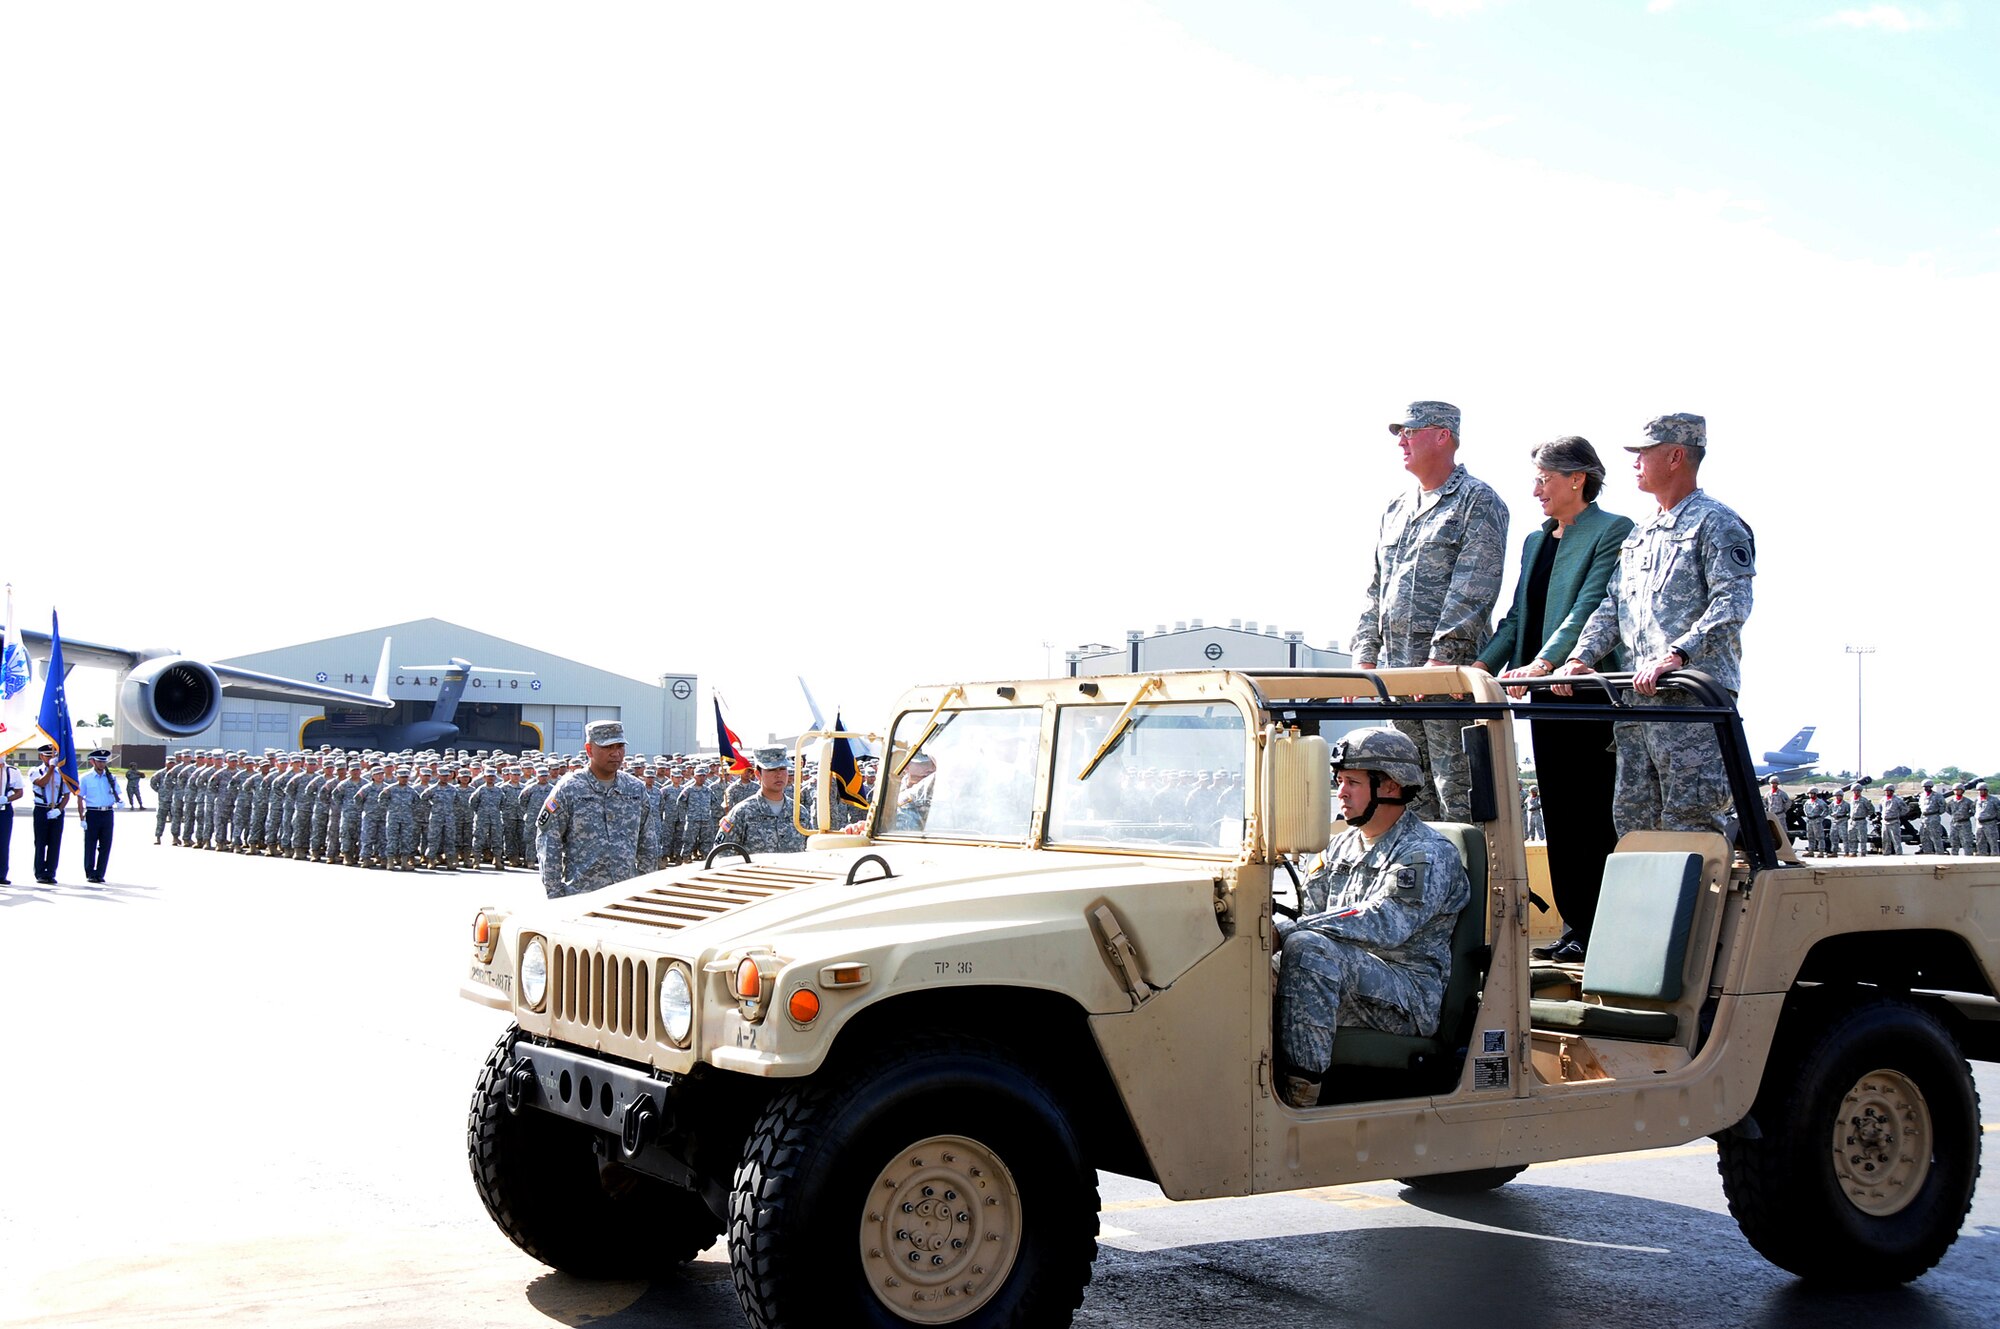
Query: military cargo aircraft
x=1791 y=759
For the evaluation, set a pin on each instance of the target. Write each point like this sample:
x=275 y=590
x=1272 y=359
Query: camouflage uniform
x=425 y=802
x=399 y=823
x=321 y=794
x=489 y=822
x=593 y=833
x=528 y=811
x=1857 y=824
x=1779 y=807
x=163 y=781
x=1683 y=585
x=1532 y=807
x=1814 y=810
x=1893 y=808
x=696 y=818
x=739 y=789
x=1959 y=833
x=461 y=815
x=274 y=806
x=1837 y=835
x=761 y=826
x=1987 y=814
x=224 y=808
x=510 y=818
x=369 y=799
x=440 y=810
x=1439 y=557
x=1934 y=813
x=346 y=829
x=1372 y=944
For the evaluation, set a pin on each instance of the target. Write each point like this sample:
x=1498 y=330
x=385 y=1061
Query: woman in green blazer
x=1566 y=567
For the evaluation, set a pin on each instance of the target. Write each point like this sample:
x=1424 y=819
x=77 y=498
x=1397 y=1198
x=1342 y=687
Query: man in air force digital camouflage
x=1439 y=555
x=594 y=831
x=1372 y=943
x=1679 y=601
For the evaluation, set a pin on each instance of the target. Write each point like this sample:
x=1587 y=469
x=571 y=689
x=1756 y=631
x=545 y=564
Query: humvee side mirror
x=1477 y=741
x=1298 y=792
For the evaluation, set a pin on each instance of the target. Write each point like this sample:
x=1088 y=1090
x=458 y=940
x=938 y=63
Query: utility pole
x=1857 y=652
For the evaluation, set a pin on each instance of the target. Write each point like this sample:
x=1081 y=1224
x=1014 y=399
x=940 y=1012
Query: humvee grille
x=680 y=904
x=608 y=993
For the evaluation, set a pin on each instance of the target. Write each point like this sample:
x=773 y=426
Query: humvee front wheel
x=938 y=1184
x=1869 y=1149
x=545 y=1187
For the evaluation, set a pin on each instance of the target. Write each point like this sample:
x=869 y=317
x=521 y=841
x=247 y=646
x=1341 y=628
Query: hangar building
x=1192 y=646
x=544 y=706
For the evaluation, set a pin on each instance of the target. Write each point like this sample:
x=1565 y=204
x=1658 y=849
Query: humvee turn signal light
x=804 y=1005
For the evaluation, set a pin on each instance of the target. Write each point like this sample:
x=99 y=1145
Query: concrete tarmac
x=235 y=1093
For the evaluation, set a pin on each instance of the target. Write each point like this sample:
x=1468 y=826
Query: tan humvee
x=890 y=1065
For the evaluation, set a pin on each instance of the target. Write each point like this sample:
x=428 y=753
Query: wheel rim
x=940 y=1228
x=1882 y=1143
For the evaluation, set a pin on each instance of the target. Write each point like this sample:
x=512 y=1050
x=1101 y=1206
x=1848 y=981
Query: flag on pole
x=846 y=775
x=728 y=743
x=17 y=701
x=55 y=724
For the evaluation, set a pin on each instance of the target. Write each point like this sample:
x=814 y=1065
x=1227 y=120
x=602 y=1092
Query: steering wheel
x=1290 y=911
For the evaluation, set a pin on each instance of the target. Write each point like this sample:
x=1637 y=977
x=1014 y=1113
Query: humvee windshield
x=982 y=786
x=1173 y=777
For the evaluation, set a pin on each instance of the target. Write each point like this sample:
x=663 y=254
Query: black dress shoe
x=1548 y=952
x=1569 y=952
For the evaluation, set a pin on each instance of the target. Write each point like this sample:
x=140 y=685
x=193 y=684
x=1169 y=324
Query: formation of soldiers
x=1838 y=822
x=404 y=811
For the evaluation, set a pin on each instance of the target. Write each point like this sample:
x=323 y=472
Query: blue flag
x=55 y=708
x=846 y=776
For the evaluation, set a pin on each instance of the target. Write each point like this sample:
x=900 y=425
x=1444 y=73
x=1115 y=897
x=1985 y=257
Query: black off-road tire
x=545 y=1188
x=853 y=1191
x=1869 y=1148
x=1469 y=1182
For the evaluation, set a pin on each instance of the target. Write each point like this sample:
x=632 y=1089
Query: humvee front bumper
x=633 y=1109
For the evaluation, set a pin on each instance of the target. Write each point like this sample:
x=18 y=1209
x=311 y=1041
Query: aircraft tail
x=381 y=689
x=453 y=688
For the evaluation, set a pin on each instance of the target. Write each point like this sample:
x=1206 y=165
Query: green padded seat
x=1356 y=1046
x=1638 y=949
x=1541 y=976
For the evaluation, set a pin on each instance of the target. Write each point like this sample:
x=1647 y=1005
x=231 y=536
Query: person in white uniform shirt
x=51 y=797
x=12 y=785
x=98 y=790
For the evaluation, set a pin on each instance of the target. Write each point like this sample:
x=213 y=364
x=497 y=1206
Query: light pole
x=1857 y=652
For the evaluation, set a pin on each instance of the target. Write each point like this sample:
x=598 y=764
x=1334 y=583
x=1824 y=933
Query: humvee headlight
x=677 y=1005
x=534 y=973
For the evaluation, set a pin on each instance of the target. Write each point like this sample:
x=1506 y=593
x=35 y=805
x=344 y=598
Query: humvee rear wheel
x=940 y=1184
x=545 y=1187
x=1469 y=1182
x=1869 y=1149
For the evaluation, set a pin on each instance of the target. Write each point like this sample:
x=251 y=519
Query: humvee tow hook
x=640 y=1123
x=520 y=1083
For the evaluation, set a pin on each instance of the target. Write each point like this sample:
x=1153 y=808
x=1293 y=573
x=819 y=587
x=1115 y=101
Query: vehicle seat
x=1356 y=1046
x=1638 y=950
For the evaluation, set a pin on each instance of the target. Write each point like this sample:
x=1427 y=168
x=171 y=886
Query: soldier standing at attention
x=1960 y=831
x=529 y=810
x=1679 y=601
x=399 y=821
x=488 y=806
x=593 y=832
x=1858 y=817
x=1779 y=807
x=1839 y=817
x=97 y=805
x=698 y=815
x=163 y=783
x=369 y=799
x=762 y=823
x=1815 y=812
x=1893 y=809
x=1372 y=943
x=1987 y=814
x=1533 y=808
x=1439 y=555
x=739 y=789
x=1934 y=809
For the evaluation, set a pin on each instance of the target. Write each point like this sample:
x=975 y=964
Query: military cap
x=1690 y=431
x=1927 y=784
x=46 y=747
x=1385 y=750
x=603 y=733
x=1888 y=789
x=769 y=759
x=402 y=770
x=100 y=754
x=1981 y=786
x=1428 y=415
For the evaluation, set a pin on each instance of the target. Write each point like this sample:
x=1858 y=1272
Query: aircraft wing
x=235 y=682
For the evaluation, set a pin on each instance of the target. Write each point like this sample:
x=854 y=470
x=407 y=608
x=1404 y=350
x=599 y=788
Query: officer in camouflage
x=1987 y=815
x=1858 y=817
x=1961 y=809
x=762 y=823
x=1372 y=943
x=593 y=831
x=1679 y=601
x=696 y=815
x=1439 y=555
x=488 y=809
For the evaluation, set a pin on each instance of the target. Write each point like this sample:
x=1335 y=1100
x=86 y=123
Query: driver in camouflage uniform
x=1372 y=943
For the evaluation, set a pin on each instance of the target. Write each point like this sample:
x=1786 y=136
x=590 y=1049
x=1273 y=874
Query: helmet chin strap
x=1376 y=800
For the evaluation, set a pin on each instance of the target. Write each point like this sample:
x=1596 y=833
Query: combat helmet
x=1380 y=752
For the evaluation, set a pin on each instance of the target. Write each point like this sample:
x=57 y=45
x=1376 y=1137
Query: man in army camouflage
x=1679 y=601
x=1961 y=809
x=1372 y=943
x=593 y=830
x=1986 y=815
x=1439 y=555
x=1858 y=817
x=1934 y=810
x=762 y=823
x=1893 y=808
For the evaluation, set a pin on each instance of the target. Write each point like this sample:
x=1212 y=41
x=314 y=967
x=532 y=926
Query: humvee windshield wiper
x=1117 y=728
x=930 y=727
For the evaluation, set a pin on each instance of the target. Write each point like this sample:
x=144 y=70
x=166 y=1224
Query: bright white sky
x=969 y=329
